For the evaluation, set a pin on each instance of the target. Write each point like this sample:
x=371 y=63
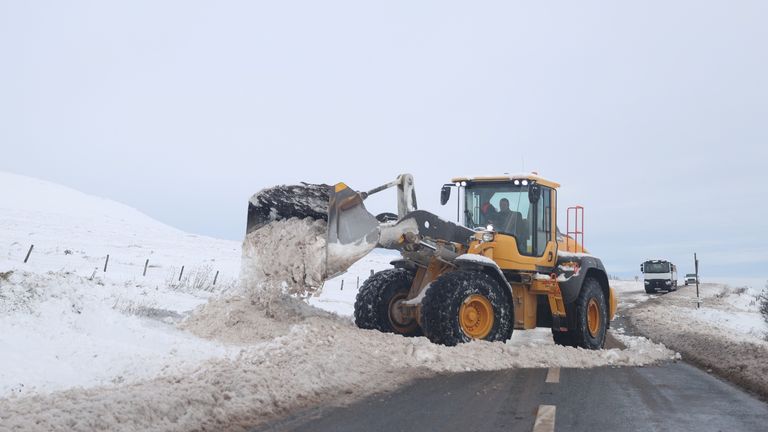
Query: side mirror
x=445 y=194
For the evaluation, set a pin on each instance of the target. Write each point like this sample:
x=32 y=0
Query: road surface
x=668 y=397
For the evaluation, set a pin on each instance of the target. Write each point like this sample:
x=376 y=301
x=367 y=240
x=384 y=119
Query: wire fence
x=126 y=265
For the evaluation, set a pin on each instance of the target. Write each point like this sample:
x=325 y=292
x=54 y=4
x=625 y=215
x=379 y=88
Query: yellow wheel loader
x=505 y=267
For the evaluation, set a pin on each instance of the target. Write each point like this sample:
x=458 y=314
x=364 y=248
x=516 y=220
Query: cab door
x=538 y=250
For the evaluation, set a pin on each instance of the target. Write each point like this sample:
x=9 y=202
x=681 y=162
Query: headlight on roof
x=487 y=236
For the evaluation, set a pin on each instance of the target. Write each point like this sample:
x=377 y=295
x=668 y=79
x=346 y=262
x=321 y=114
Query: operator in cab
x=506 y=219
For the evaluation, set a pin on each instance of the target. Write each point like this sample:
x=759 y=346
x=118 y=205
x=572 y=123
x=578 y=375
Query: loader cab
x=519 y=210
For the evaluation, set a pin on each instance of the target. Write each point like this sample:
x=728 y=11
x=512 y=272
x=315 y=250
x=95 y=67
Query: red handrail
x=578 y=228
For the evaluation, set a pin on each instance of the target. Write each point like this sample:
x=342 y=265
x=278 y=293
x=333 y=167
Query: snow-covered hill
x=73 y=231
x=64 y=321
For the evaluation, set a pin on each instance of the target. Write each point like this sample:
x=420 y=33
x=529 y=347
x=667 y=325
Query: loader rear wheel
x=377 y=298
x=464 y=305
x=591 y=325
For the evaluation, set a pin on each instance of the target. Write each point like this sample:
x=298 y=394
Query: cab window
x=508 y=208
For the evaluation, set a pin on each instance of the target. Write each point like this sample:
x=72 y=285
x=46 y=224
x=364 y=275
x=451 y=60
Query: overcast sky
x=651 y=114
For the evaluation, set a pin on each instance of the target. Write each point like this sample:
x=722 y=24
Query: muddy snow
x=285 y=257
x=725 y=335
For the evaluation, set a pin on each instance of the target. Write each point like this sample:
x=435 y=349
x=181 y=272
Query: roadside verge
x=717 y=337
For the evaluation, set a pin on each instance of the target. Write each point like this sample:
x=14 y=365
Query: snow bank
x=59 y=330
x=289 y=355
x=724 y=335
x=316 y=357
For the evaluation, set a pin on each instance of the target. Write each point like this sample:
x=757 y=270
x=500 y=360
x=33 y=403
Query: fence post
x=146 y=263
x=106 y=262
x=696 y=263
x=181 y=273
x=371 y=272
x=215 y=277
x=358 y=282
x=28 y=253
x=342 y=285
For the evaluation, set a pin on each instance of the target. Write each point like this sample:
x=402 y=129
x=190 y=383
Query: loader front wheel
x=591 y=325
x=464 y=305
x=377 y=298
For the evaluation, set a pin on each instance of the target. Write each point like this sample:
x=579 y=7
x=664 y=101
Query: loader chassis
x=506 y=266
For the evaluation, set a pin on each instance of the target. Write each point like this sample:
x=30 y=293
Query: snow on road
x=89 y=350
x=726 y=334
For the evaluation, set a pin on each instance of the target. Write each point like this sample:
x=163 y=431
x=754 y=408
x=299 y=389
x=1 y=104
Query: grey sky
x=651 y=114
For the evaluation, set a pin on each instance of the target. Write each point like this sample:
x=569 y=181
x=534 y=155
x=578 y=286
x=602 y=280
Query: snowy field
x=85 y=349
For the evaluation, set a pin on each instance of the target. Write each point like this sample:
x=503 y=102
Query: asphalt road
x=668 y=397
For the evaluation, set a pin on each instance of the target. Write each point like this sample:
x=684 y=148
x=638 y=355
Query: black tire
x=580 y=336
x=442 y=303
x=376 y=296
x=564 y=338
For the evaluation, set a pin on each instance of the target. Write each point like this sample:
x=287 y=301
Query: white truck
x=659 y=275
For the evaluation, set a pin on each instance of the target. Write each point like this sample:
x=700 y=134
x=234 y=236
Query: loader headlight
x=487 y=236
x=668 y=282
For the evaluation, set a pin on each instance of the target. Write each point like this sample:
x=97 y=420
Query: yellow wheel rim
x=476 y=316
x=593 y=317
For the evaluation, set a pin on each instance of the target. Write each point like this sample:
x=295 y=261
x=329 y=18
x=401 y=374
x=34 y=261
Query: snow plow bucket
x=352 y=231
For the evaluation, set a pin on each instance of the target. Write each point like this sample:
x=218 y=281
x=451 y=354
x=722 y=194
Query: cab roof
x=532 y=176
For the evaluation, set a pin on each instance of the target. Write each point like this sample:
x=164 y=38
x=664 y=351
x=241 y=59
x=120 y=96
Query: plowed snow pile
x=291 y=355
x=285 y=257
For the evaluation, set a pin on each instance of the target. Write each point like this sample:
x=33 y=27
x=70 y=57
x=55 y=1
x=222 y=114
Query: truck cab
x=659 y=275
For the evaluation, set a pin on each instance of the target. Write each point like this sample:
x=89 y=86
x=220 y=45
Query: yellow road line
x=545 y=419
x=553 y=376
